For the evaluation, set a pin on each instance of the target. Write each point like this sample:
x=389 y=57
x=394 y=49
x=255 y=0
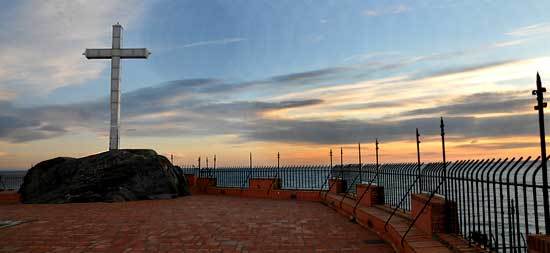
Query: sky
x=227 y=78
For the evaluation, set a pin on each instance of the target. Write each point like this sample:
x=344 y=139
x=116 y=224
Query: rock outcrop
x=117 y=175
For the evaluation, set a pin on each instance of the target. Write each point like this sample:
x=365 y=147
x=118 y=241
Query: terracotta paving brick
x=201 y=223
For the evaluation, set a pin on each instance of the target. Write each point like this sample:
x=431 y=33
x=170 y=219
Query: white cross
x=115 y=54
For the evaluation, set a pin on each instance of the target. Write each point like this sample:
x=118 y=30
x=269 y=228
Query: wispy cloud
x=315 y=38
x=476 y=68
x=441 y=92
x=42 y=43
x=369 y=56
x=509 y=43
x=309 y=75
x=387 y=10
x=498 y=145
x=350 y=131
x=531 y=30
x=211 y=42
x=479 y=103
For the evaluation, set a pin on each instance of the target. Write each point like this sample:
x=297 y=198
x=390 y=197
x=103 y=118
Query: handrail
x=326 y=181
x=417 y=179
x=491 y=240
x=275 y=180
x=323 y=185
x=357 y=201
x=432 y=194
x=348 y=188
x=400 y=202
x=246 y=180
x=524 y=241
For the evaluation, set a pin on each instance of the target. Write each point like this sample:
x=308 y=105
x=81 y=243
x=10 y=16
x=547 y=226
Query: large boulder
x=117 y=175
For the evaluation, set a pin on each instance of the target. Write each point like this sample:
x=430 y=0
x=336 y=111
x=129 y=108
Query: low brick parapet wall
x=439 y=216
x=191 y=179
x=374 y=195
x=9 y=197
x=538 y=243
x=337 y=185
x=204 y=183
x=264 y=183
x=258 y=188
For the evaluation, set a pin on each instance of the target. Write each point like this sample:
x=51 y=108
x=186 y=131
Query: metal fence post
x=540 y=108
x=331 y=159
x=342 y=163
x=199 y=167
x=360 y=165
x=278 y=160
x=278 y=164
x=442 y=126
x=418 y=160
x=377 y=165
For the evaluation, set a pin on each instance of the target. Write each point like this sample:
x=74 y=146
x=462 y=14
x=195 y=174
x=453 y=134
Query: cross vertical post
x=418 y=160
x=115 y=54
x=214 y=161
x=114 y=138
x=250 y=160
x=377 y=165
x=539 y=92
x=442 y=126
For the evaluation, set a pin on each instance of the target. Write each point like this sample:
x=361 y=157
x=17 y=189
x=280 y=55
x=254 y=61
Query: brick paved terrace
x=200 y=223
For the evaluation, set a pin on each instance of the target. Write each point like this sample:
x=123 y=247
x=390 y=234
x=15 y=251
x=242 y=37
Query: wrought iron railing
x=369 y=185
x=403 y=197
x=292 y=177
x=11 y=181
x=497 y=200
x=441 y=182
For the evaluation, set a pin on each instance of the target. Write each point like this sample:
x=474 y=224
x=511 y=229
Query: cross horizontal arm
x=134 y=53
x=125 y=53
x=98 y=53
